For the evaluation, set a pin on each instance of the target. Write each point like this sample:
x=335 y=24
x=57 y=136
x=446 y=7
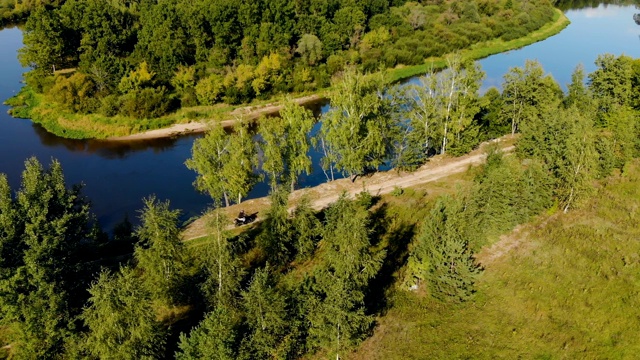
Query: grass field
x=564 y=286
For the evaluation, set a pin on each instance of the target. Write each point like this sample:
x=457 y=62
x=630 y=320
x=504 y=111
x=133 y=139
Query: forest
x=132 y=61
x=306 y=283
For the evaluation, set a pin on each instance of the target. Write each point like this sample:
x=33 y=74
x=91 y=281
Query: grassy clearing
x=484 y=49
x=566 y=286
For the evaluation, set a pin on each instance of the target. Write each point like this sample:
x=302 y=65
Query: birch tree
x=225 y=163
x=286 y=144
x=524 y=89
x=443 y=105
x=220 y=265
x=356 y=132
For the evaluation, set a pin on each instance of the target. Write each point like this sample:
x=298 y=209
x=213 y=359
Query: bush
x=210 y=89
x=147 y=103
x=76 y=93
x=110 y=105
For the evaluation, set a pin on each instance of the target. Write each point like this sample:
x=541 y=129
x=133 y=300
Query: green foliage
x=213 y=339
x=44 y=223
x=356 y=132
x=276 y=238
x=136 y=79
x=310 y=49
x=250 y=45
x=224 y=163
x=147 y=103
x=121 y=322
x=160 y=254
x=220 y=266
x=209 y=90
x=306 y=227
x=526 y=91
x=76 y=93
x=442 y=257
x=568 y=150
x=559 y=287
x=336 y=311
x=265 y=308
x=286 y=144
x=506 y=194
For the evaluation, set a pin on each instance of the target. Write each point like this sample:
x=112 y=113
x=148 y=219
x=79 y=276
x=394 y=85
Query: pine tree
x=336 y=310
x=121 y=322
x=51 y=223
x=213 y=339
x=442 y=256
x=161 y=254
x=265 y=309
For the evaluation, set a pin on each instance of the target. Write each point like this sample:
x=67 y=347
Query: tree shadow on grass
x=394 y=237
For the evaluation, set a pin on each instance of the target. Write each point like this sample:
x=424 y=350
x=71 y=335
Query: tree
x=265 y=308
x=524 y=90
x=220 y=266
x=306 y=229
x=45 y=46
x=161 y=254
x=336 y=310
x=356 y=133
x=310 y=49
x=276 y=236
x=47 y=229
x=441 y=256
x=214 y=338
x=121 y=322
x=137 y=79
x=224 y=163
x=286 y=144
x=564 y=141
x=578 y=95
x=611 y=83
x=442 y=108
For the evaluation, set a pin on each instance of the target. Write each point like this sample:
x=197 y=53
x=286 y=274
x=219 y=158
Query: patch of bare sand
x=247 y=112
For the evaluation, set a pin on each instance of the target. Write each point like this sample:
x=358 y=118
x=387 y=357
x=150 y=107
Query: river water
x=117 y=176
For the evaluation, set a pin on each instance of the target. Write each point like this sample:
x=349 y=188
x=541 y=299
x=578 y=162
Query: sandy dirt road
x=439 y=167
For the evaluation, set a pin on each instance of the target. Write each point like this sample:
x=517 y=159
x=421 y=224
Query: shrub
x=146 y=103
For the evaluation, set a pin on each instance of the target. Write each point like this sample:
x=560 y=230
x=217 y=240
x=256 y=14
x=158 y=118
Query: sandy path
x=247 y=112
x=379 y=183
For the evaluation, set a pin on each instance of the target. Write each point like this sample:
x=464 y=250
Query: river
x=117 y=176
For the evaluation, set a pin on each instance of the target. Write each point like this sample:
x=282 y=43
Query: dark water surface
x=118 y=175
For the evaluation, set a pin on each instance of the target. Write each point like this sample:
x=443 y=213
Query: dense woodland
x=143 y=59
x=309 y=283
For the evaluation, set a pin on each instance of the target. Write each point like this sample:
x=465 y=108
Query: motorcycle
x=239 y=221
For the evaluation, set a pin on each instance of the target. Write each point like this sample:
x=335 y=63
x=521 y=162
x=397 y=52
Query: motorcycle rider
x=242 y=217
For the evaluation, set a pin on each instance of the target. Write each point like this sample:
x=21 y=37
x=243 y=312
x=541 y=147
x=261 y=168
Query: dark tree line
x=143 y=58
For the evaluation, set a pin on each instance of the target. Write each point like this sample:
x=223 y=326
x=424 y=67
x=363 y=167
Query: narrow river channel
x=118 y=175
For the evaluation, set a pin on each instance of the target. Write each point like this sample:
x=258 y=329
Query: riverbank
x=58 y=121
x=476 y=52
x=244 y=113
